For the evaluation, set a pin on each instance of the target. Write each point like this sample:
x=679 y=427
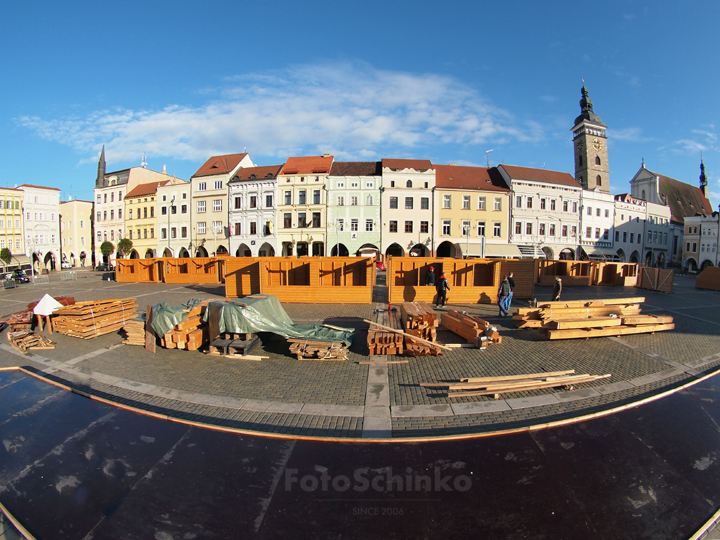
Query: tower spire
x=101 y=169
x=703 y=178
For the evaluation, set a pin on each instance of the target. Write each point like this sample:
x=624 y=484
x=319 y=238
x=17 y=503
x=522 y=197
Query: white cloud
x=350 y=109
x=687 y=146
x=631 y=134
x=710 y=137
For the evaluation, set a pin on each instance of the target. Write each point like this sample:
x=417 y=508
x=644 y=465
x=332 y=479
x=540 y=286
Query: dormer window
x=408 y=183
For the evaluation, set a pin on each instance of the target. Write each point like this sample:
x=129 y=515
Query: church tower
x=703 y=180
x=590 y=142
x=100 y=179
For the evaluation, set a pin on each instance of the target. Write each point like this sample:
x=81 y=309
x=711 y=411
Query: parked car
x=380 y=265
x=65 y=264
x=104 y=267
x=20 y=276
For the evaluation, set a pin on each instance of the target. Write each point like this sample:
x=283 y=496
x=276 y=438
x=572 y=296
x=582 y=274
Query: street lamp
x=465 y=227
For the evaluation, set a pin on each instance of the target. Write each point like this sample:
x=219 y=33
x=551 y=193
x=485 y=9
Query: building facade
x=11 y=226
x=701 y=242
x=590 y=143
x=408 y=213
x=302 y=205
x=76 y=232
x=174 y=218
x=141 y=221
x=252 y=197
x=597 y=226
x=473 y=214
x=353 y=210
x=209 y=208
x=41 y=210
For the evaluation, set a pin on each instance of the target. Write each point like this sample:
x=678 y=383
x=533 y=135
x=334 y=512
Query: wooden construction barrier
x=242 y=276
x=572 y=273
x=524 y=271
x=709 y=279
x=615 y=274
x=191 y=270
x=137 y=271
x=656 y=279
x=472 y=281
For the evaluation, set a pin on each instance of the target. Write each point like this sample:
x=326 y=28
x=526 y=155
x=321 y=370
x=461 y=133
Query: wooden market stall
x=192 y=270
x=137 y=271
x=615 y=274
x=572 y=273
x=709 y=279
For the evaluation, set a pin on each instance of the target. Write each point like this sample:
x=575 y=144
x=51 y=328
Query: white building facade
x=597 y=225
x=41 y=212
x=173 y=219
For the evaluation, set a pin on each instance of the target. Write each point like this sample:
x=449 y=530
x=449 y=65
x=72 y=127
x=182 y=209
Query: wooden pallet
x=234 y=345
x=24 y=341
x=318 y=350
x=87 y=320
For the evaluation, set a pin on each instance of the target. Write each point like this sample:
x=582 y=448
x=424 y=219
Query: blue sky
x=181 y=81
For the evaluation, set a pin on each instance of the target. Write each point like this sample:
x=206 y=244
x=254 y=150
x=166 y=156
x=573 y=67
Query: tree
x=106 y=248
x=5 y=255
x=125 y=246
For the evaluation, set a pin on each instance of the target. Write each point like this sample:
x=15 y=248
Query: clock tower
x=590 y=142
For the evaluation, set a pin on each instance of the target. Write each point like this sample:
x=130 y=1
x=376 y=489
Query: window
x=589 y=211
x=466 y=202
x=341 y=225
x=238 y=203
x=498 y=204
x=369 y=185
x=694 y=246
x=201 y=227
x=253 y=227
x=302 y=222
x=408 y=226
x=301 y=197
x=287 y=220
x=163 y=233
x=424 y=227
x=253 y=201
x=353 y=200
x=173 y=233
x=268 y=201
x=574 y=230
x=541 y=230
x=288 y=197
x=597 y=160
x=368 y=225
x=393 y=202
x=183 y=208
x=340 y=185
x=597 y=212
x=575 y=207
x=316 y=196
x=607 y=212
x=369 y=200
x=518 y=202
x=606 y=234
x=552 y=229
x=152 y=211
x=238 y=229
x=446 y=227
x=465 y=228
x=688 y=247
x=496 y=229
x=480 y=228
x=529 y=202
x=632 y=238
x=552 y=204
x=202 y=186
x=218 y=184
x=120 y=196
x=542 y=204
x=528 y=228
x=112 y=214
x=316 y=219
x=104 y=215
x=393 y=226
x=352 y=184
x=201 y=207
x=129 y=234
x=518 y=227
x=446 y=201
x=624 y=236
x=597 y=233
x=217 y=205
x=104 y=198
x=424 y=203
x=408 y=183
x=98 y=199
x=82 y=221
x=341 y=201
x=655 y=237
x=408 y=203
x=598 y=180
x=82 y=242
x=481 y=203
x=565 y=206
x=353 y=225
x=588 y=232
x=163 y=211
x=145 y=233
x=617 y=236
x=649 y=236
x=564 y=231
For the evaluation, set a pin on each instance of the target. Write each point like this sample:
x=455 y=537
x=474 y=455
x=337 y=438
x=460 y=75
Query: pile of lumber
x=191 y=333
x=135 y=331
x=25 y=340
x=87 y=320
x=496 y=386
x=21 y=320
x=419 y=321
x=382 y=341
x=318 y=350
x=592 y=318
x=64 y=300
x=475 y=330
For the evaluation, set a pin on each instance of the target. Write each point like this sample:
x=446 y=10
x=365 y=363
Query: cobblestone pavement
x=347 y=399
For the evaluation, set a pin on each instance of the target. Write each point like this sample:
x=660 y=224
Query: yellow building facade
x=11 y=222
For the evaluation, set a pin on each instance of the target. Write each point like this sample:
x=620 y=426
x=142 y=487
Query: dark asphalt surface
x=74 y=468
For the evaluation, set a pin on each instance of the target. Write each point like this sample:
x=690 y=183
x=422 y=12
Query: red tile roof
x=41 y=187
x=461 y=177
x=257 y=173
x=684 y=200
x=145 y=189
x=540 y=175
x=220 y=164
x=400 y=164
x=308 y=165
x=356 y=168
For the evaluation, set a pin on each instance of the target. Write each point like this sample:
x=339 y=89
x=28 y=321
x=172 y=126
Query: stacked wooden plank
x=475 y=330
x=419 y=320
x=191 y=333
x=318 y=350
x=87 y=320
x=496 y=386
x=381 y=341
x=64 y=300
x=135 y=332
x=21 y=320
x=24 y=341
x=592 y=318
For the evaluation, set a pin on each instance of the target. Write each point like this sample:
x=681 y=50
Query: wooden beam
x=605 y=332
x=587 y=322
x=408 y=335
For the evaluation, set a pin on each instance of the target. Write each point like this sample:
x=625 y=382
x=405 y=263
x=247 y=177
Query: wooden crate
x=656 y=279
x=709 y=279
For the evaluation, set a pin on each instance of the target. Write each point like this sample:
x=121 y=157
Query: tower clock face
x=597 y=144
x=580 y=145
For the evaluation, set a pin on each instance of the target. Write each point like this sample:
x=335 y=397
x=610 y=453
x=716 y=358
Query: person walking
x=430 y=277
x=511 y=281
x=442 y=287
x=557 y=289
x=503 y=294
